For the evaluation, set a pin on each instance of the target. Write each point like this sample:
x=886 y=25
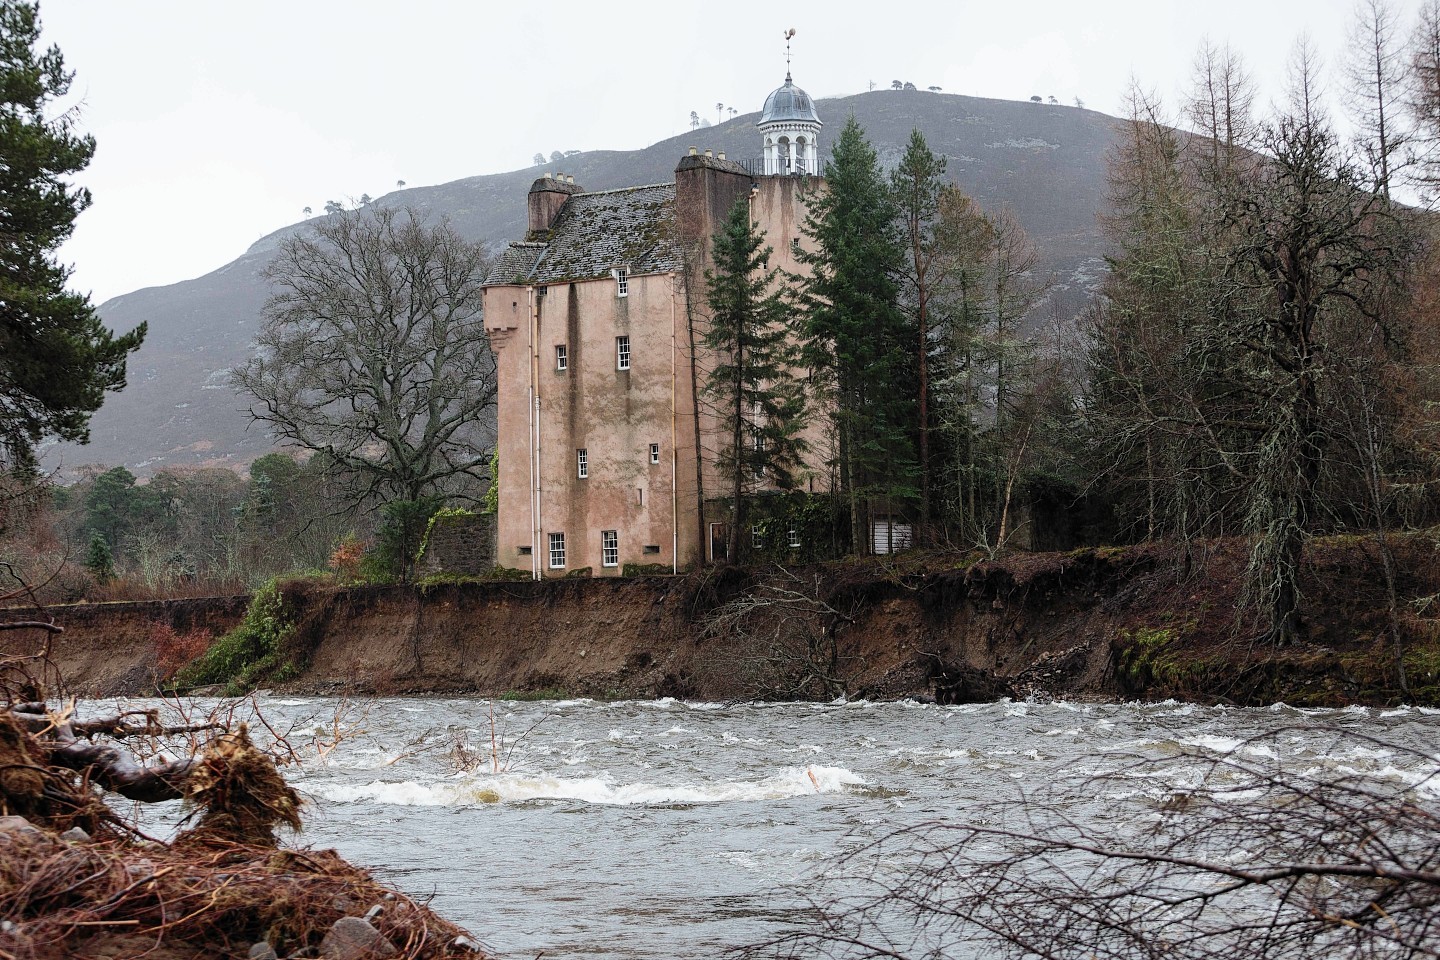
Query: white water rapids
x=668 y=829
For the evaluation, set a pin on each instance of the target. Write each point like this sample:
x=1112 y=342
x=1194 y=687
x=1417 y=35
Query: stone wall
x=463 y=545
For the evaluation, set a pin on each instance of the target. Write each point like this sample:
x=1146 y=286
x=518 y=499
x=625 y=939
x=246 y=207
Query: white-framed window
x=582 y=463
x=610 y=548
x=557 y=550
x=757 y=538
x=622 y=353
x=622 y=282
x=562 y=357
x=654 y=453
x=793 y=538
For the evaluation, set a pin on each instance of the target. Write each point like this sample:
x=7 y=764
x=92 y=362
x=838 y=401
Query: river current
x=666 y=829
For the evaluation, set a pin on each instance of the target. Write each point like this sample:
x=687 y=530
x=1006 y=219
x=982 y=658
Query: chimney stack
x=546 y=199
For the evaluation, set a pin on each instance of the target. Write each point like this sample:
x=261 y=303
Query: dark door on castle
x=719 y=542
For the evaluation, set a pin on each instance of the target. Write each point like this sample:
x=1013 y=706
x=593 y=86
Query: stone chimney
x=547 y=198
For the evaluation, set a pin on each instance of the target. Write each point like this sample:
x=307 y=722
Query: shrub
x=173 y=649
x=347 y=558
x=251 y=653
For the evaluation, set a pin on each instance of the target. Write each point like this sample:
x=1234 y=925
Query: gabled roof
x=595 y=233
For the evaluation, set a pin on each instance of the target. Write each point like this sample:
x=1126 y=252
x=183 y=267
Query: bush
x=646 y=570
x=173 y=650
x=347 y=559
x=250 y=654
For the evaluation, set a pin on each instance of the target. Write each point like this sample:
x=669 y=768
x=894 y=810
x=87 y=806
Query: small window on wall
x=757 y=538
x=523 y=551
x=557 y=550
x=622 y=282
x=654 y=453
x=793 y=538
x=582 y=463
x=610 y=548
x=562 y=357
x=622 y=353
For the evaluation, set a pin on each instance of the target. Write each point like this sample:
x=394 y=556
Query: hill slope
x=1046 y=162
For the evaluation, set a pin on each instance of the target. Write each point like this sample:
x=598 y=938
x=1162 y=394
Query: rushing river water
x=669 y=829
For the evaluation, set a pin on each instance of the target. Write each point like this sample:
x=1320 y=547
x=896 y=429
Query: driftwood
x=77 y=879
x=67 y=743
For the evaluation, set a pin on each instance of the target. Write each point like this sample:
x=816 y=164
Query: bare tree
x=373 y=352
x=1422 y=99
x=780 y=639
x=1221 y=104
x=1259 y=861
x=1374 y=72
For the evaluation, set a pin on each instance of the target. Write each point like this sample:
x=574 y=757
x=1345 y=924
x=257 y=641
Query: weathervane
x=788 y=34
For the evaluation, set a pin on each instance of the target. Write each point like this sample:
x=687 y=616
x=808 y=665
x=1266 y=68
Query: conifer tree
x=858 y=341
x=99 y=559
x=759 y=402
x=919 y=184
x=57 y=359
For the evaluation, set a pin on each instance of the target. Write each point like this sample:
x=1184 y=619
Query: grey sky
x=218 y=123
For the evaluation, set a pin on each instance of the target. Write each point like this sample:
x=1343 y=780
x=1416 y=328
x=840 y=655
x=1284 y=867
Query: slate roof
x=595 y=233
x=515 y=263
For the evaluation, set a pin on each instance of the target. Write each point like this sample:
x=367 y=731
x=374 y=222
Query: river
x=666 y=829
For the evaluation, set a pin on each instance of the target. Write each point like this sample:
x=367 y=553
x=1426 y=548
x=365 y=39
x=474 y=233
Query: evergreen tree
x=56 y=358
x=858 y=342
x=99 y=559
x=919 y=184
x=759 y=402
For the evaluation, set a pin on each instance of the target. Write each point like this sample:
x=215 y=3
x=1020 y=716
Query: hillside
x=1046 y=162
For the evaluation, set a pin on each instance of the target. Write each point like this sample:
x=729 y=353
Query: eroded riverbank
x=1096 y=623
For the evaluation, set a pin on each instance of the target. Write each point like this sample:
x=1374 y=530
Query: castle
x=607 y=451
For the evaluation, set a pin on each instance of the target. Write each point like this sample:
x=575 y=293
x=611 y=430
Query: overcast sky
x=220 y=122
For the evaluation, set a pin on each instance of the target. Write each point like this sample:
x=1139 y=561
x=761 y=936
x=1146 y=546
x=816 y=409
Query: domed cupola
x=790 y=127
x=789 y=103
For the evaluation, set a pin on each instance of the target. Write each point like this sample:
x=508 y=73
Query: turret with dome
x=790 y=127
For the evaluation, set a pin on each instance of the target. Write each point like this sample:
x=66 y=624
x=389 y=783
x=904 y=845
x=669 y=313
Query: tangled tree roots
x=221 y=888
x=76 y=898
x=240 y=794
x=77 y=880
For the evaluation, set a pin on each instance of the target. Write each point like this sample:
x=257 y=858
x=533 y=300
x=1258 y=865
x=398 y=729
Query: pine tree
x=99 y=560
x=857 y=340
x=919 y=184
x=759 y=403
x=56 y=358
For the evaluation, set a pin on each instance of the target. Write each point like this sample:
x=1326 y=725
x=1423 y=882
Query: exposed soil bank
x=1108 y=622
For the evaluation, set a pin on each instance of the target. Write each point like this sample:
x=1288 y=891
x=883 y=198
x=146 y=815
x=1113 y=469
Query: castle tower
x=791 y=127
